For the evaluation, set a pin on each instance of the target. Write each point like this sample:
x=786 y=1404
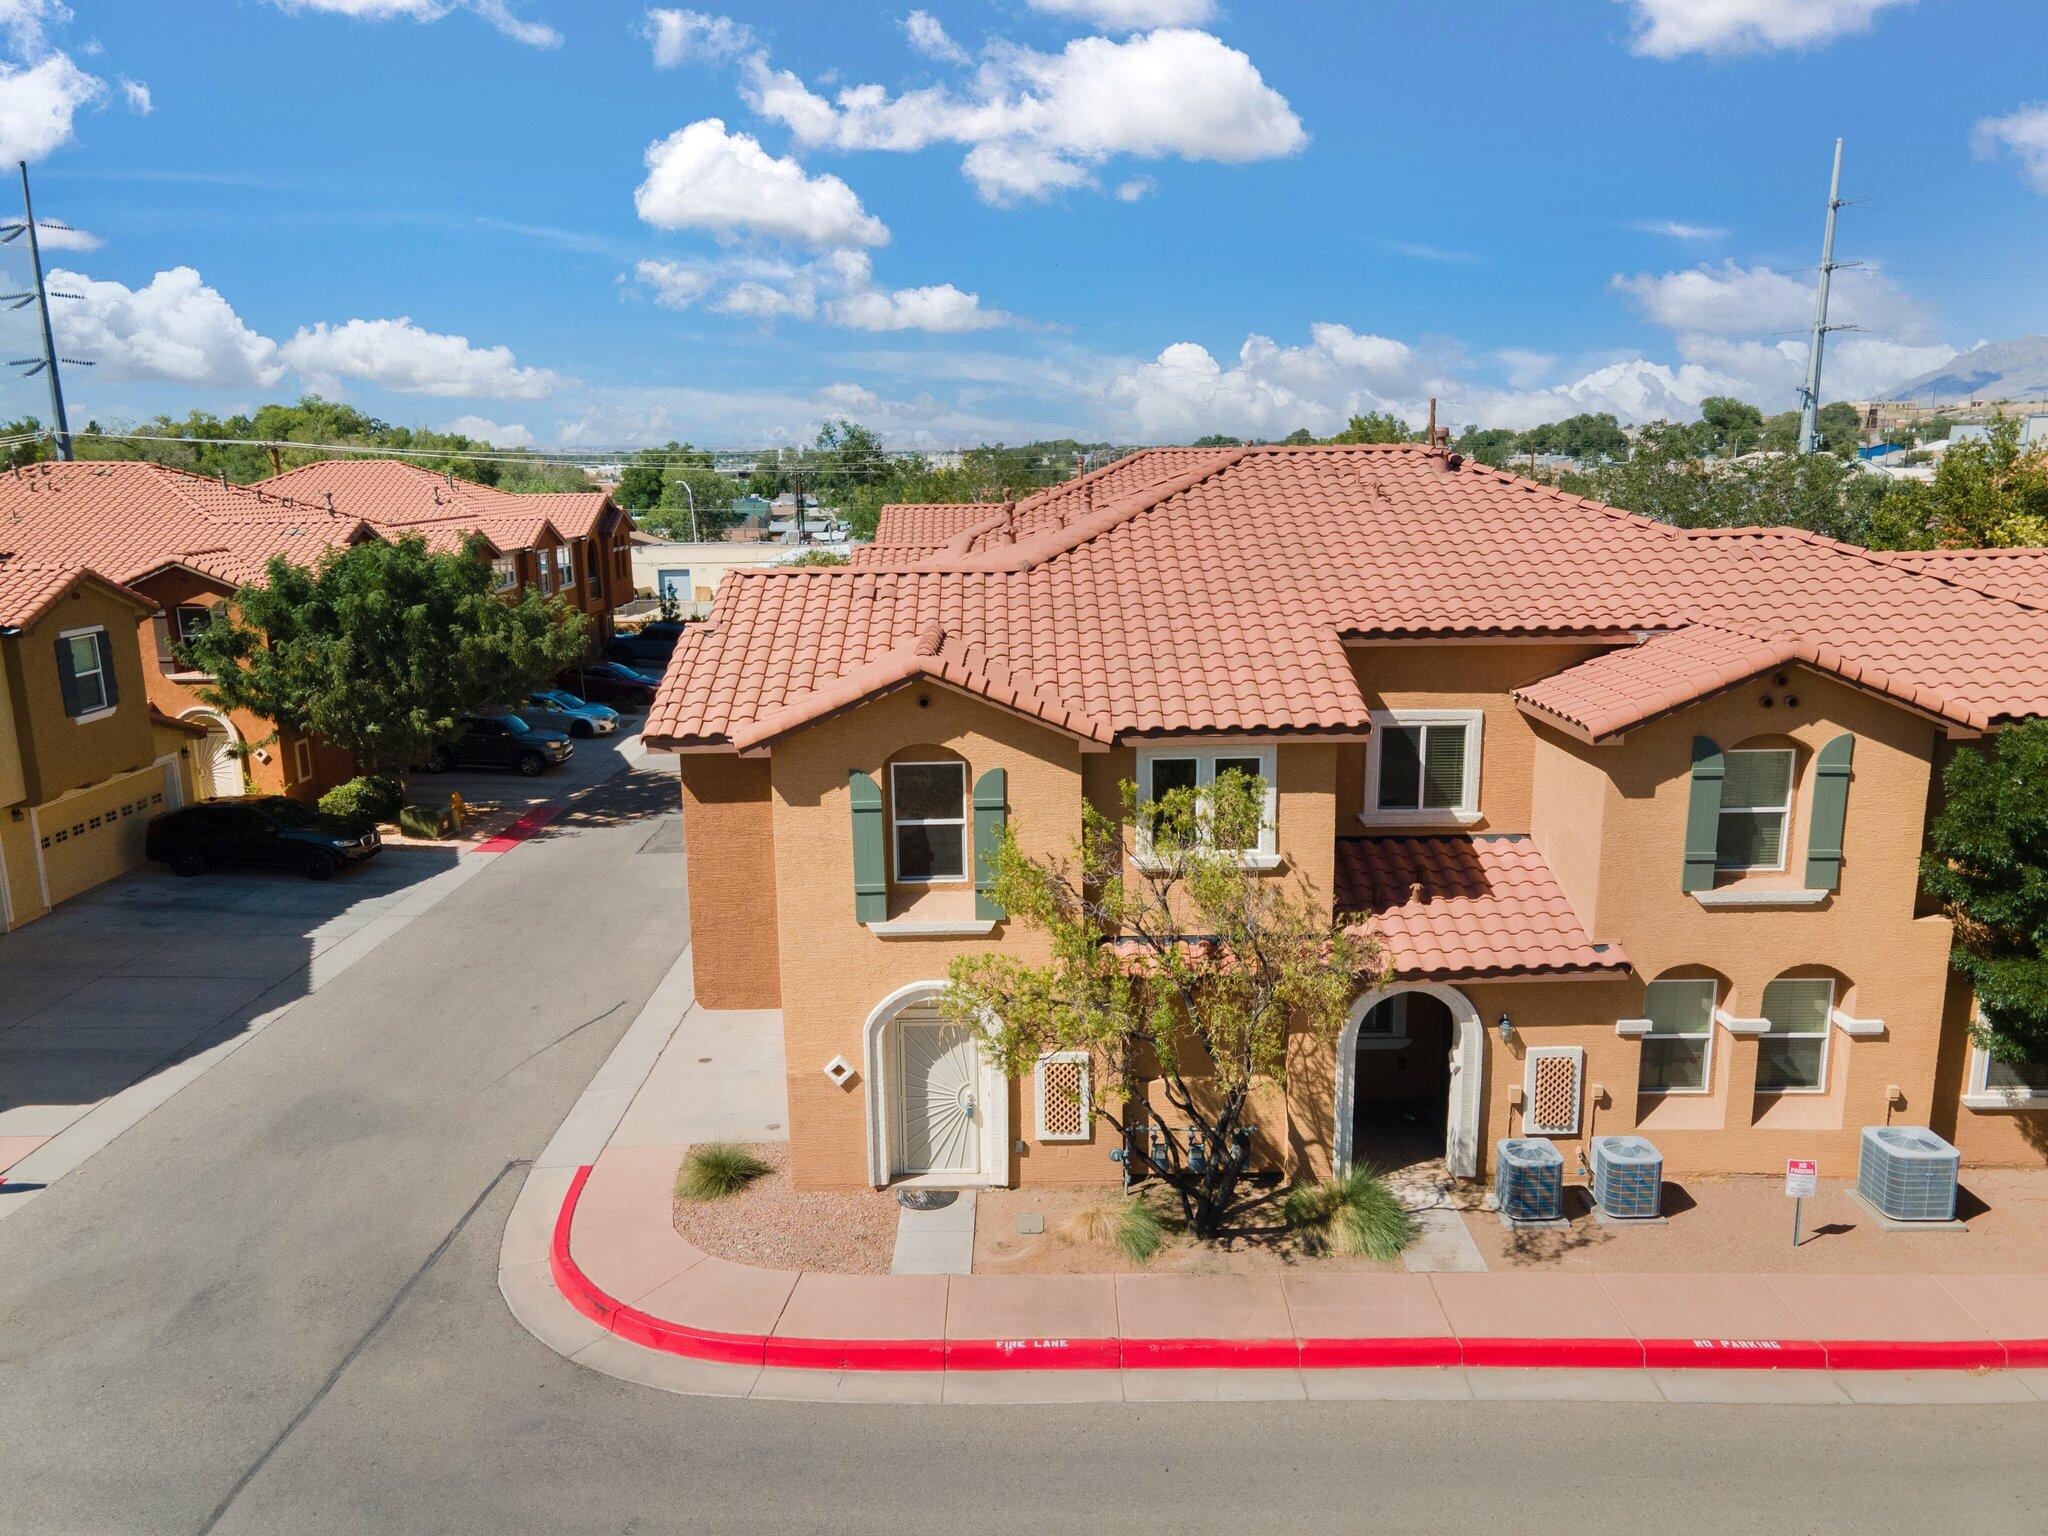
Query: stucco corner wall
x=729 y=851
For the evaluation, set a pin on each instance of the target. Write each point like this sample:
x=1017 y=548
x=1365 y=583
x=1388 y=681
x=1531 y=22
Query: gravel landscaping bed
x=771 y=1224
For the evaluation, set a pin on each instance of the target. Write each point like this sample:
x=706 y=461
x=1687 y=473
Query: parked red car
x=610 y=682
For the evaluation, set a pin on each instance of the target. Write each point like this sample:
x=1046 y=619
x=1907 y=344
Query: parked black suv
x=261 y=832
x=501 y=741
x=651 y=645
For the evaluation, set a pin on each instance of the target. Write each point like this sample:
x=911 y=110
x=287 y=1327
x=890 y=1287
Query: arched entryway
x=220 y=762
x=938 y=1112
x=1410 y=1064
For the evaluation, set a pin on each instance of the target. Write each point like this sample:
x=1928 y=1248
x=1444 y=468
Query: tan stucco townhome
x=1636 y=810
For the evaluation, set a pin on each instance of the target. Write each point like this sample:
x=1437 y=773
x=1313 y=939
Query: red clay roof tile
x=1449 y=907
x=1218 y=598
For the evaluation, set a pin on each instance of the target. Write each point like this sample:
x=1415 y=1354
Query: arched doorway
x=1410 y=1064
x=938 y=1112
x=222 y=764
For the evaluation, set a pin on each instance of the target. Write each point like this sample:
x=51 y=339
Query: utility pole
x=42 y=298
x=801 y=536
x=1809 y=398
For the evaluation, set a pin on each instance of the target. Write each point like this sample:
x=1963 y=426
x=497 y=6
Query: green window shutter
x=67 y=680
x=107 y=678
x=870 y=870
x=991 y=809
x=1703 y=815
x=1830 y=808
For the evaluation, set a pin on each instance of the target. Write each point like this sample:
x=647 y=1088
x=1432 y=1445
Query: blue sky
x=588 y=223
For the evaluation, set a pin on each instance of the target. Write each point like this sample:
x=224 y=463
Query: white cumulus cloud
x=675 y=284
x=1131 y=15
x=38 y=102
x=1734 y=300
x=404 y=357
x=136 y=93
x=838 y=288
x=498 y=435
x=1039 y=122
x=701 y=177
x=1667 y=29
x=684 y=37
x=174 y=328
x=1136 y=189
x=500 y=14
x=2023 y=134
x=929 y=37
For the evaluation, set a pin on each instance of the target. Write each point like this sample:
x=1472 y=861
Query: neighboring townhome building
x=80 y=770
x=1635 y=810
x=567 y=544
x=184 y=543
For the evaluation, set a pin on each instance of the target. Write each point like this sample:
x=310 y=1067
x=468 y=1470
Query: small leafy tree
x=1190 y=970
x=1988 y=866
x=379 y=648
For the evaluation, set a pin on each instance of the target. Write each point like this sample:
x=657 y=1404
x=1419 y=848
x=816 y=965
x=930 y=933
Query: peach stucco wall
x=729 y=850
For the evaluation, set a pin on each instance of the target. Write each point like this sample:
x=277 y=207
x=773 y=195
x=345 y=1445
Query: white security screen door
x=938 y=1077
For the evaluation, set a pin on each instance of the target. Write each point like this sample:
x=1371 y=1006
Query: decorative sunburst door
x=939 y=1077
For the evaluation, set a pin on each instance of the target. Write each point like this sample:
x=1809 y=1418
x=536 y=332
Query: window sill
x=1746 y=1029
x=2018 y=1098
x=1632 y=1029
x=1856 y=1029
x=94 y=714
x=1421 y=818
x=1259 y=861
x=1737 y=897
x=933 y=928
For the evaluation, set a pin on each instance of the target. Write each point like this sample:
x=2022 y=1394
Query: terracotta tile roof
x=1218 y=598
x=128 y=519
x=1447 y=907
x=1624 y=688
x=923 y=526
x=2021 y=574
x=942 y=659
x=29 y=587
x=392 y=493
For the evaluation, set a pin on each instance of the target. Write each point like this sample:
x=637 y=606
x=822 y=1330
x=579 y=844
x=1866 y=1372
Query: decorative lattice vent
x=1063 y=1106
x=1552 y=1091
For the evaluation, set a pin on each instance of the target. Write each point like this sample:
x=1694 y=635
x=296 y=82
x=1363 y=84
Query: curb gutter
x=1054 y=1354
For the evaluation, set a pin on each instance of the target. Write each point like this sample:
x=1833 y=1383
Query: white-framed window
x=1553 y=1085
x=565 y=567
x=928 y=815
x=1756 y=810
x=190 y=619
x=1423 y=765
x=86 y=658
x=1064 y=1105
x=1678 y=1049
x=504 y=573
x=1996 y=1084
x=1161 y=770
x=1792 y=1052
x=1384 y=1025
x=302 y=759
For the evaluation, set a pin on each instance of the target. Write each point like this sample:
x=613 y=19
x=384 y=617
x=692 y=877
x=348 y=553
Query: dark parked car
x=650 y=645
x=501 y=741
x=608 y=682
x=264 y=832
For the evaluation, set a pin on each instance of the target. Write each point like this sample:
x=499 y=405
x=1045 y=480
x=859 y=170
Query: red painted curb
x=1734 y=1355
x=520 y=830
x=675 y=1338
x=1915 y=1355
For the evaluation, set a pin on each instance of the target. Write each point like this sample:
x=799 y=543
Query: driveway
x=150 y=973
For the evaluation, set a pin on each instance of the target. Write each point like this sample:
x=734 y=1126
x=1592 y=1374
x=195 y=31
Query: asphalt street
x=271 y=1306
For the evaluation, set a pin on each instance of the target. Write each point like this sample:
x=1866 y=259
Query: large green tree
x=380 y=647
x=1183 y=967
x=1988 y=866
x=1665 y=478
x=1991 y=493
x=1375 y=427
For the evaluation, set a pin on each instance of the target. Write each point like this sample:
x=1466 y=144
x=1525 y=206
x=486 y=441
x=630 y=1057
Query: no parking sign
x=1802 y=1179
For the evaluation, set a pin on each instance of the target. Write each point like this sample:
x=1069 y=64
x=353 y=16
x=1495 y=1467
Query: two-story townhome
x=82 y=763
x=183 y=543
x=567 y=544
x=1635 y=811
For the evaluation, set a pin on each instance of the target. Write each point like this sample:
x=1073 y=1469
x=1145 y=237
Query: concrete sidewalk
x=591 y=1263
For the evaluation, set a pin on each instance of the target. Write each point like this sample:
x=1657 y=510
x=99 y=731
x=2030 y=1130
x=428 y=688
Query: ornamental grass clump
x=718 y=1169
x=1133 y=1225
x=1356 y=1214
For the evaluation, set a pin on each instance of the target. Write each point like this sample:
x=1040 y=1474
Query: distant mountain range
x=1997 y=370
